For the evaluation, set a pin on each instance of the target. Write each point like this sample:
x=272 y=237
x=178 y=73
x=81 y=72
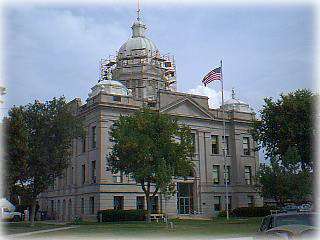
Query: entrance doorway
x=185 y=198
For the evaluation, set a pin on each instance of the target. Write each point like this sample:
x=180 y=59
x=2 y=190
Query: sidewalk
x=19 y=235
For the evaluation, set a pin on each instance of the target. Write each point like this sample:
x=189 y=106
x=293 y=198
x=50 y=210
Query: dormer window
x=116 y=98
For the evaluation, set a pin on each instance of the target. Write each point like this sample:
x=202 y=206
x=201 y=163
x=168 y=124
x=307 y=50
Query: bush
x=223 y=213
x=252 y=211
x=111 y=215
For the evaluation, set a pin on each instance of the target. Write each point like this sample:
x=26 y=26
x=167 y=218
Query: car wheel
x=16 y=218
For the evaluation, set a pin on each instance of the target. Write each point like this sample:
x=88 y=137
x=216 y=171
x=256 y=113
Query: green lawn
x=182 y=228
x=21 y=227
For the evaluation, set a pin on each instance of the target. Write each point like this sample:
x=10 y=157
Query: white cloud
x=54 y=51
x=214 y=95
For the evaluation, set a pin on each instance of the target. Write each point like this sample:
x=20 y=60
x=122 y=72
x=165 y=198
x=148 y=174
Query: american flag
x=213 y=75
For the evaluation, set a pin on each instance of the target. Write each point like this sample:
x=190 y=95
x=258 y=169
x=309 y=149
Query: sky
x=53 y=50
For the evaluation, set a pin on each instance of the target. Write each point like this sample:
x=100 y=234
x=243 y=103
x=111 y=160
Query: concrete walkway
x=19 y=235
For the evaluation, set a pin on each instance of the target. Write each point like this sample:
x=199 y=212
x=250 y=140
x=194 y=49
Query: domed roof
x=111 y=87
x=138 y=41
x=237 y=105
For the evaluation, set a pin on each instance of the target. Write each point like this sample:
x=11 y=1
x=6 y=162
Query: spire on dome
x=138 y=27
x=138 y=11
x=233 y=93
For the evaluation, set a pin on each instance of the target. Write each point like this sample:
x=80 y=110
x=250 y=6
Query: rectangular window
x=91 y=205
x=82 y=205
x=84 y=144
x=71 y=176
x=227 y=174
x=116 y=98
x=154 y=204
x=93 y=171
x=118 y=178
x=140 y=202
x=215 y=144
x=193 y=137
x=248 y=175
x=217 y=203
x=52 y=206
x=246 y=146
x=83 y=173
x=118 y=202
x=216 y=174
x=229 y=203
x=94 y=136
x=58 y=207
x=130 y=178
x=226 y=145
x=250 y=201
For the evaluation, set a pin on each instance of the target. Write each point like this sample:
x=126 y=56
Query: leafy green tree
x=285 y=182
x=39 y=138
x=152 y=148
x=287 y=122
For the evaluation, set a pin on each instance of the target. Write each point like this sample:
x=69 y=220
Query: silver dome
x=235 y=104
x=138 y=41
x=110 y=87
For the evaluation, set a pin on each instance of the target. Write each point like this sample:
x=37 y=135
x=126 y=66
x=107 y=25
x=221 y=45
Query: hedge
x=111 y=215
x=252 y=211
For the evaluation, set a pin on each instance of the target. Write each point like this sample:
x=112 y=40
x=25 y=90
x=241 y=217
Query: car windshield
x=301 y=219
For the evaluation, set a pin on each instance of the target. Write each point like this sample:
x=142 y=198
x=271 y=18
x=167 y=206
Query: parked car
x=292 y=232
x=7 y=211
x=304 y=208
x=290 y=208
x=289 y=225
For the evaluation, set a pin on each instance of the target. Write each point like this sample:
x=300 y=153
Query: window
x=217 y=203
x=193 y=137
x=246 y=146
x=84 y=144
x=229 y=203
x=71 y=176
x=226 y=145
x=91 y=205
x=250 y=201
x=215 y=144
x=94 y=135
x=58 y=207
x=130 y=178
x=52 y=206
x=118 y=178
x=82 y=205
x=93 y=171
x=83 y=173
x=216 y=174
x=116 y=98
x=140 y=202
x=247 y=175
x=118 y=202
x=227 y=174
x=154 y=204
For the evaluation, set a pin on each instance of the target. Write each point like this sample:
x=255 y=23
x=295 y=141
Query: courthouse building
x=140 y=76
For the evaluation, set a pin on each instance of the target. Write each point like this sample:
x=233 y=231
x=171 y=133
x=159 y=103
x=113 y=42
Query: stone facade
x=88 y=186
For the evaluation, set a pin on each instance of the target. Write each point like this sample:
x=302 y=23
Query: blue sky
x=55 y=50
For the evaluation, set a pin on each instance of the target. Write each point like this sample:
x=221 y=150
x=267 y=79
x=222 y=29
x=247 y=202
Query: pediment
x=187 y=108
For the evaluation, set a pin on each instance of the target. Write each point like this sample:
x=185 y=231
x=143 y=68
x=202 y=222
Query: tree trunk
x=33 y=211
x=148 y=208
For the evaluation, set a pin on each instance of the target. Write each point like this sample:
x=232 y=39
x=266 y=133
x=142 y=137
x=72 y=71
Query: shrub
x=252 y=211
x=111 y=215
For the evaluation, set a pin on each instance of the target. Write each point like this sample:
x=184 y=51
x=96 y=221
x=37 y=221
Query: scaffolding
x=138 y=67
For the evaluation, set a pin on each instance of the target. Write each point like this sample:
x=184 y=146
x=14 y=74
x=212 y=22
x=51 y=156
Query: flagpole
x=224 y=145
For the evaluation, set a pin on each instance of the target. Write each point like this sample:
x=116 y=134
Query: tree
x=152 y=148
x=287 y=122
x=39 y=138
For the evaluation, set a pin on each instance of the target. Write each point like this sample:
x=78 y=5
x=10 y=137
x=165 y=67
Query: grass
x=182 y=228
x=21 y=227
